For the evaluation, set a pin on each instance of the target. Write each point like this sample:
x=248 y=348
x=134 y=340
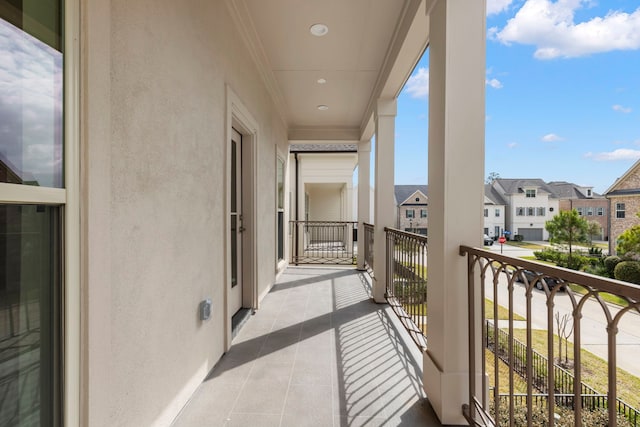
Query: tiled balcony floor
x=319 y=352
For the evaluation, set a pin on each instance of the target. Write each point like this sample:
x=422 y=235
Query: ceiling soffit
x=356 y=57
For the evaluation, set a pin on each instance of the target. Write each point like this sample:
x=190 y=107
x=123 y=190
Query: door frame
x=239 y=118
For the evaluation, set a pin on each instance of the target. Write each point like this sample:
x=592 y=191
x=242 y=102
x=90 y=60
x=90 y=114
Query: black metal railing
x=406 y=284
x=323 y=242
x=495 y=277
x=367 y=242
x=564 y=379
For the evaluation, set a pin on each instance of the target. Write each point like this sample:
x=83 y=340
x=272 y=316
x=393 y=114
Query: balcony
x=318 y=352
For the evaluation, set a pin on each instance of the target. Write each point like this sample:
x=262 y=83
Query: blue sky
x=562 y=95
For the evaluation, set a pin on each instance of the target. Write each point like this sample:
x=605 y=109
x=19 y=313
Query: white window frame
x=541 y=211
x=412 y=211
x=486 y=212
x=620 y=209
x=530 y=193
x=68 y=199
x=497 y=213
x=520 y=211
x=423 y=211
x=600 y=211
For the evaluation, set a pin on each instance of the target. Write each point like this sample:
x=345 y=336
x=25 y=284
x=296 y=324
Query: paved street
x=593 y=323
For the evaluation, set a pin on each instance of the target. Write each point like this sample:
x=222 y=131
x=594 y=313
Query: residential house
x=411 y=204
x=494 y=212
x=159 y=134
x=624 y=204
x=530 y=203
x=589 y=204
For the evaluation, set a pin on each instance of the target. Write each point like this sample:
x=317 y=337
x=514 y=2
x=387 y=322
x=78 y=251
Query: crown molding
x=313 y=133
x=243 y=22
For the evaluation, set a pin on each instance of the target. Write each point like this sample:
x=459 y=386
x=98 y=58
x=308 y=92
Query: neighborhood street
x=593 y=323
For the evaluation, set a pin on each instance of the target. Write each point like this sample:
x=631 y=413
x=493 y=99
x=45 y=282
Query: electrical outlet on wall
x=205 y=309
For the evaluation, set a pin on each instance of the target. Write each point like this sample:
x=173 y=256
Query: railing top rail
x=366 y=224
x=323 y=222
x=600 y=283
x=416 y=236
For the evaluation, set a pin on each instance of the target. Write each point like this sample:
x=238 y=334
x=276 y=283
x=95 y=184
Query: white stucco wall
x=153 y=162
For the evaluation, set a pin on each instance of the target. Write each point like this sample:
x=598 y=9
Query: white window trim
x=68 y=199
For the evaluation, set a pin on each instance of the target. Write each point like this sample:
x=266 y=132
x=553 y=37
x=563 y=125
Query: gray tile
x=253 y=420
x=308 y=405
x=264 y=397
x=319 y=352
x=210 y=405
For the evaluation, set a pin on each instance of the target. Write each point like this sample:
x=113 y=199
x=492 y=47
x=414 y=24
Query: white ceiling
x=355 y=57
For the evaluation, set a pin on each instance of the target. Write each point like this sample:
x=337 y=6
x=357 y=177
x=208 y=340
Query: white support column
x=384 y=205
x=301 y=201
x=456 y=170
x=364 y=176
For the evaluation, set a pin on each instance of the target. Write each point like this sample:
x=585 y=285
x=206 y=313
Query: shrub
x=576 y=262
x=628 y=271
x=610 y=263
x=518 y=237
x=546 y=255
x=595 y=251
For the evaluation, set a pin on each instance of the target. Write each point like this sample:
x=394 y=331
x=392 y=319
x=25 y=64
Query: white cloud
x=497 y=6
x=621 y=109
x=619 y=154
x=512 y=144
x=418 y=84
x=551 y=28
x=552 y=137
x=494 y=83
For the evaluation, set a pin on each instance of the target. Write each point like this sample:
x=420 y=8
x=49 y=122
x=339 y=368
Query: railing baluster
x=557 y=387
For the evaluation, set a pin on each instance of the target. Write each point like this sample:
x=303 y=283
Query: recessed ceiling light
x=323 y=107
x=321 y=81
x=319 y=30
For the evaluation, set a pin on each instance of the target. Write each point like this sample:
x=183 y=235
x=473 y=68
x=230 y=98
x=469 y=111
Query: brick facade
x=619 y=225
x=625 y=190
x=589 y=211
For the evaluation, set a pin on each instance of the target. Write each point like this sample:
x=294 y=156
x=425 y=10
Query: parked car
x=532 y=276
x=488 y=241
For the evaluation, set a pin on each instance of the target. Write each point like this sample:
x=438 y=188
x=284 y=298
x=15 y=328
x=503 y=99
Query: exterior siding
x=594 y=204
x=619 y=225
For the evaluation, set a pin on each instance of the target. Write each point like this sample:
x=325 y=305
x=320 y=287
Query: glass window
x=30 y=283
x=497 y=214
x=531 y=212
x=619 y=210
x=486 y=212
x=600 y=211
x=423 y=213
x=520 y=211
x=530 y=193
x=410 y=213
x=580 y=212
x=541 y=211
x=280 y=207
x=31 y=89
x=589 y=211
x=31 y=153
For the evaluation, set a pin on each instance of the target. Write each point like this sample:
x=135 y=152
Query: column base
x=379 y=289
x=446 y=391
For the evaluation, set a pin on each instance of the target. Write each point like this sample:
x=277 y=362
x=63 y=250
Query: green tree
x=593 y=229
x=567 y=227
x=629 y=240
x=492 y=177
